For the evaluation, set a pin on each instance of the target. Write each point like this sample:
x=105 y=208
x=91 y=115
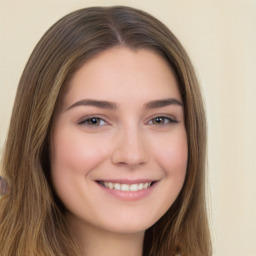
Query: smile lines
x=126 y=187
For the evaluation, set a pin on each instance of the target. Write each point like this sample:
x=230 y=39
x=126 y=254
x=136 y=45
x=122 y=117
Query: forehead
x=122 y=71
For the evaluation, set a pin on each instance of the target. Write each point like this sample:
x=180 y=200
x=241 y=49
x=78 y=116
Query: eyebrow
x=162 y=103
x=113 y=106
x=95 y=103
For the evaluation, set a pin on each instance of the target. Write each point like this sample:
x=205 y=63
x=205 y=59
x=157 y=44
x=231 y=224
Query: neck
x=94 y=241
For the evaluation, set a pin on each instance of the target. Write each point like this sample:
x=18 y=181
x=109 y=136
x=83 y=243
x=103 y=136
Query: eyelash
x=98 y=121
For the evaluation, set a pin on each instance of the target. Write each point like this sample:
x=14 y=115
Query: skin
x=129 y=137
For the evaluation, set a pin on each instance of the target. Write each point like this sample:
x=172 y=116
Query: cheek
x=170 y=154
x=173 y=154
x=76 y=153
x=73 y=157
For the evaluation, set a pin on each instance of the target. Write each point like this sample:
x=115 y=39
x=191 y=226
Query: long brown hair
x=31 y=217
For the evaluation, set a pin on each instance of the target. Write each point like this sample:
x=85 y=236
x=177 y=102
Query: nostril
x=132 y=158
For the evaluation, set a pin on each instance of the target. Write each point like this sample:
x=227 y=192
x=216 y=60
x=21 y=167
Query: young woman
x=106 y=148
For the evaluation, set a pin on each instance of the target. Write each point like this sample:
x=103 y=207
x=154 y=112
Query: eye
x=93 y=121
x=162 y=120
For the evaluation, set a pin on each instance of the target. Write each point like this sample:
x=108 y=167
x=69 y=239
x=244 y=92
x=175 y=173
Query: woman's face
x=119 y=145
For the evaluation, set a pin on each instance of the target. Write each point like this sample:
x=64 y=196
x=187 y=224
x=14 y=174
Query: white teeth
x=126 y=187
x=134 y=187
x=117 y=186
x=141 y=186
x=110 y=185
x=145 y=185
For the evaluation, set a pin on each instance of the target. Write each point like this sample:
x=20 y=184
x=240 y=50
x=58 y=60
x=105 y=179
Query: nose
x=129 y=148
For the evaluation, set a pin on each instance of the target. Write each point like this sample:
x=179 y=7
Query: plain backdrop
x=220 y=37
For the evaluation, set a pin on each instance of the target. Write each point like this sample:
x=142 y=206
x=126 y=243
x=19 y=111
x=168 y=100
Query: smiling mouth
x=126 y=187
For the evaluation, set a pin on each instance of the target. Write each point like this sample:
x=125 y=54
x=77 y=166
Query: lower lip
x=128 y=195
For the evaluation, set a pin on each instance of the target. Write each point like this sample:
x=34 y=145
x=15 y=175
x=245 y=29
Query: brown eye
x=93 y=121
x=162 y=120
x=158 y=120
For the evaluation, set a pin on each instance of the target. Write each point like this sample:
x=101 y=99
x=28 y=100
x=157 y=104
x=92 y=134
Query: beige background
x=220 y=37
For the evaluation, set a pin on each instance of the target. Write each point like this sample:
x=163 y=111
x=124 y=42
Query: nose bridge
x=130 y=148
